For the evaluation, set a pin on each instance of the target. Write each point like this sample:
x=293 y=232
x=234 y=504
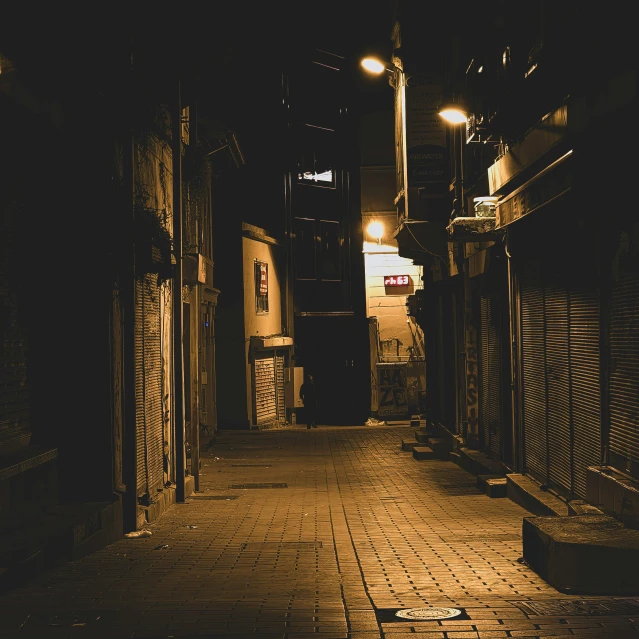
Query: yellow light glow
x=376 y=230
x=372 y=65
x=453 y=115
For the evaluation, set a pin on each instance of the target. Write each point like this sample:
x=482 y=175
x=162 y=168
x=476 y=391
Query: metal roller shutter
x=624 y=361
x=533 y=371
x=558 y=384
x=279 y=388
x=561 y=366
x=265 y=394
x=585 y=385
x=148 y=386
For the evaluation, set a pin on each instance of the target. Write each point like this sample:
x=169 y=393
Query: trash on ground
x=191 y=526
x=138 y=533
x=371 y=421
x=161 y=547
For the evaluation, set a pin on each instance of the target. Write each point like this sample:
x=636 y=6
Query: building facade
x=533 y=287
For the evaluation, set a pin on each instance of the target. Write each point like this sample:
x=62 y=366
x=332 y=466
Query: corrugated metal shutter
x=624 y=358
x=558 y=383
x=148 y=386
x=585 y=384
x=561 y=364
x=533 y=371
x=279 y=388
x=265 y=394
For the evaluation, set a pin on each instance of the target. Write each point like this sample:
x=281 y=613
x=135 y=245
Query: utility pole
x=178 y=314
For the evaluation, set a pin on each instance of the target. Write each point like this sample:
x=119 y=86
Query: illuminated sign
x=396 y=280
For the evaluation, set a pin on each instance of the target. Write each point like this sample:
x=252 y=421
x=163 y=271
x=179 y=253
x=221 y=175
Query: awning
x=421 y=241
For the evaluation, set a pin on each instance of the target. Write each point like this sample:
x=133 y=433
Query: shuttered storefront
x=265 y=394
x=624 y=351
x=279 y=387
x=560 y=360
x=148 y=386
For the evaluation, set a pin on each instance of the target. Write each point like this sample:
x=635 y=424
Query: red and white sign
x=263 y=279
x=396 y=280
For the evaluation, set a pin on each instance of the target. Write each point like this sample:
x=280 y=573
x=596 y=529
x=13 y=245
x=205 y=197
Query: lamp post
x=456 y=113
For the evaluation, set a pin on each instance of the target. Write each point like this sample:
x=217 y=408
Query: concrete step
x=422 y=436
x=423 y=452
x=583 y=554
x=453 y=456
x=439 y=446
x=409 y=444
x=492 y=485
x=530 y=495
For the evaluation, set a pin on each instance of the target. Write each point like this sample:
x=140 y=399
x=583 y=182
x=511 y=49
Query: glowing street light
x=376 y=231
x=373 y=65
x=453 y=112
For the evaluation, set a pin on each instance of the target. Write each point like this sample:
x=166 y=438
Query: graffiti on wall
x=472 y=378
x=392 y=390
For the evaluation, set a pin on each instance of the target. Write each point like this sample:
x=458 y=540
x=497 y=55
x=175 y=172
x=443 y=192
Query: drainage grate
x=250 y=465
x=430 y=613
x=469 y=539
x=579 y=607
x=282 y=545
x=245 y=486
x=214 y=497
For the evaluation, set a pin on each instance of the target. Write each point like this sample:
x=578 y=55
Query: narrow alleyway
x=321 y=534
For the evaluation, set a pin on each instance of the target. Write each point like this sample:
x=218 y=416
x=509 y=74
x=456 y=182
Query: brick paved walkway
x=351 y=530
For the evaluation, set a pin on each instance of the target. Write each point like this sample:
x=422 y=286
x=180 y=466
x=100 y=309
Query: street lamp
x=376 y=230
x=453 y=112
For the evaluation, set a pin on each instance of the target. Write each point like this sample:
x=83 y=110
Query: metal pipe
x=178 y=313
x=514 y=395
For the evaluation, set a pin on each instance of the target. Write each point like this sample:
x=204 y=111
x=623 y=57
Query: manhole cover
x=246 y=486
x=428 y=614
x=579 y=607
x=405 y=615
x=214 y=497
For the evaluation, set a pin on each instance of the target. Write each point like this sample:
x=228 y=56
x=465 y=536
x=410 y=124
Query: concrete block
x=584 y=554
x=408 y=444
x=581 y=507
x=528 y=494
x=421 y=436
x=414 y=421
x=454 y=457
x=423 y=452
x=492 y=485
x=593 y=478
x=439 y=446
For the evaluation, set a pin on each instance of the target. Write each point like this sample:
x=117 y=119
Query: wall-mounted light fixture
x=376 y=230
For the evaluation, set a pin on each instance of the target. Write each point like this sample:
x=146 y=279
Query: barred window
x=261 y=287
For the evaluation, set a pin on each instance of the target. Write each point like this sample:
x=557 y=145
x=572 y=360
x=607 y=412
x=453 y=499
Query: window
x=316 y=156
x=305 y=265
x=261 y=287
